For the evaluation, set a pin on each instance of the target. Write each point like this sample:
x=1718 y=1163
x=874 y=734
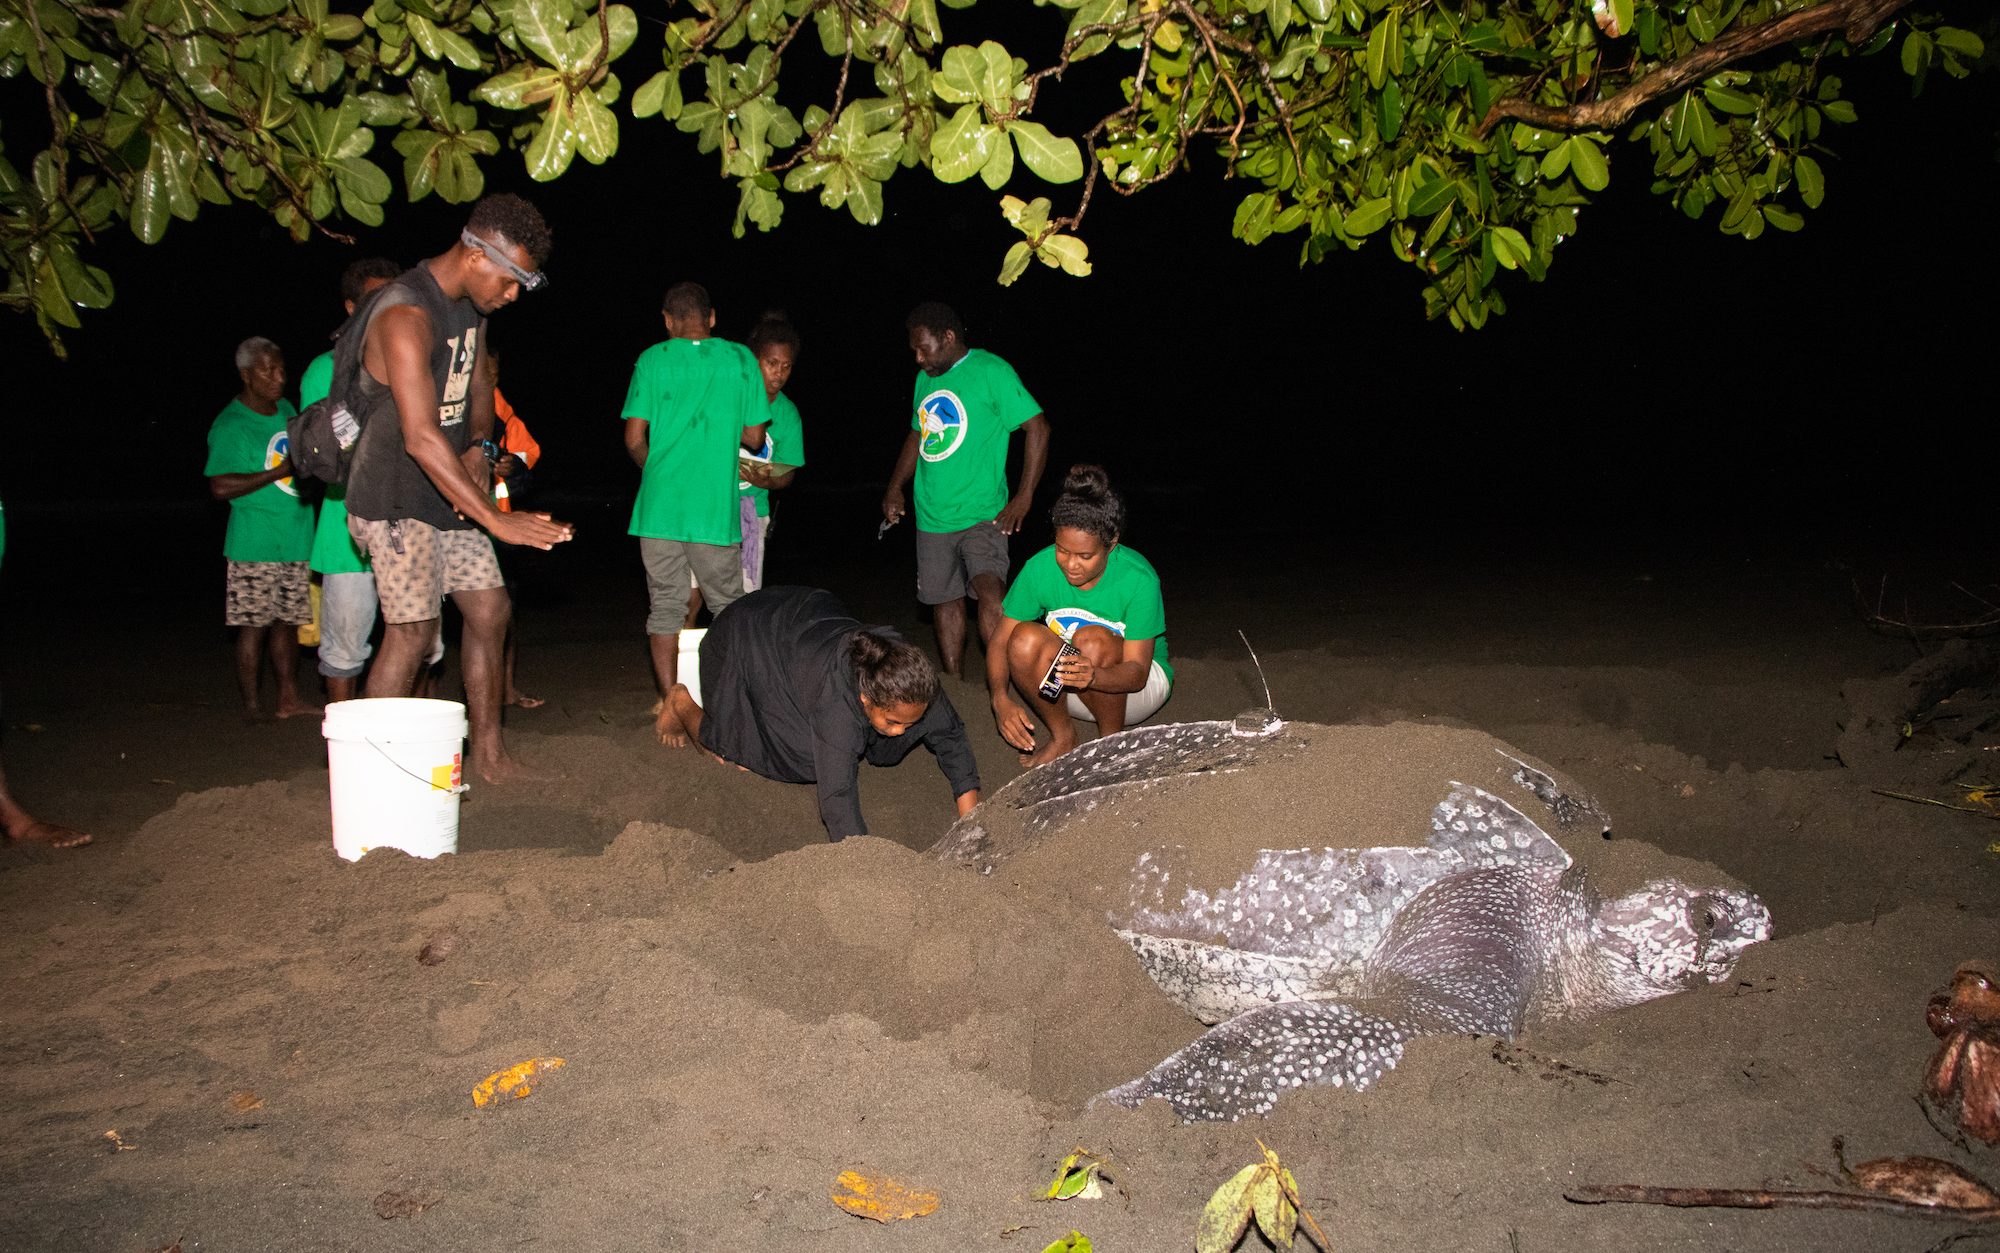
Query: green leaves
x=1351 y=121
x=1042 y=243
x=1053 y=159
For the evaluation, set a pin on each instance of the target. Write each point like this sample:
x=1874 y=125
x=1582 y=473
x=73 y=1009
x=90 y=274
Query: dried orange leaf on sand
x=246 y=1100
x=881 y=1198
x=514 y=1082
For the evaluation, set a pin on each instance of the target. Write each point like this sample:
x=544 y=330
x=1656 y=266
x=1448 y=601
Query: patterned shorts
x=417 y=565
x=259 y=593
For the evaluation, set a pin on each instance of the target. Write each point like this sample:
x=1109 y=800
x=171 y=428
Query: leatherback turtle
x=1320 y=964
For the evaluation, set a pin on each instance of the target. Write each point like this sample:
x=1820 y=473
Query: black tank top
x=385 y=483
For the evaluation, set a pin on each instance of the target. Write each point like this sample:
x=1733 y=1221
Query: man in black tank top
x=419 y=494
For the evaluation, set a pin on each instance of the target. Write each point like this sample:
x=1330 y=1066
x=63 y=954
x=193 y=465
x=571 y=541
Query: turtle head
x=1676 y=936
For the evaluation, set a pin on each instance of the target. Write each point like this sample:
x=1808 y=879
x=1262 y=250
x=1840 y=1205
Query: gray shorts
x=669 y=562
x=948 y=561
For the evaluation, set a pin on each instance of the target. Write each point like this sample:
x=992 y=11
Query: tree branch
x=1855 y=20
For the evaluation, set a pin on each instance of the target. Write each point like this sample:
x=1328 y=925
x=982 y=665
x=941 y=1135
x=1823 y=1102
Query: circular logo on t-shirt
x=942 y=416
x=275 y=452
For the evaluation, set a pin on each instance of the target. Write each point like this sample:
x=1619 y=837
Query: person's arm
x=1128 y=675
x=1015 y=726
x=479 y=417
x=1034 y=459
x=837 y=750
x=402 y=336
x=636 y=442
x=906 y=465
x=753 y=436
x=230 y=486
x=943 y=732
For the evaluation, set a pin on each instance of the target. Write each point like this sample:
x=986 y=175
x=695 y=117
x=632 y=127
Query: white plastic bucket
x=396 y=769
x=688 y=670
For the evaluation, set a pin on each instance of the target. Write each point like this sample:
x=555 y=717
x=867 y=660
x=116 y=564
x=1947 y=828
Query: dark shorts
x=948 y=561
x=259 y=593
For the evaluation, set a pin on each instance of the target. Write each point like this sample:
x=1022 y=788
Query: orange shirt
x=513 y=433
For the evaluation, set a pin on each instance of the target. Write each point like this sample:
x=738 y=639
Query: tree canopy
x=1465 y=136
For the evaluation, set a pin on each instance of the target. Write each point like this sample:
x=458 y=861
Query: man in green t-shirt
x=967 y=403
x=347 y=599
x=270 y=526
x=16 y=823
x=694 y=402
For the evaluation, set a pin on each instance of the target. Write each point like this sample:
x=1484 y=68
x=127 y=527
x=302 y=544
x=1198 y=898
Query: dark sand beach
x=746 y=1011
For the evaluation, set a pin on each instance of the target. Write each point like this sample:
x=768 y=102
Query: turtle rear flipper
x=1243 y=1066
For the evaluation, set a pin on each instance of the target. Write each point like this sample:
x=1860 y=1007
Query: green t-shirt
x=271 y=523
x=784 y=443
x=333 y=550
x=1126 y=598
x=697 y=395
x=965 y=416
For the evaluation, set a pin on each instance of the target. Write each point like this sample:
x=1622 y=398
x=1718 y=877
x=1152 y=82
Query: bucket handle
x=459 y=790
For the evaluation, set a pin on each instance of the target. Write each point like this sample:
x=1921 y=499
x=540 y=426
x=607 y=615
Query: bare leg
x=487 y=613
x=249 y=658
x=283 y=646
x=20 y=825
x=1102 y=648
x=1029 y=651
x=666 y=651
x=948 y=620
x=989 y=592
x=404 y=646
x=512 y=695
x=343 y=688
x=694 y=608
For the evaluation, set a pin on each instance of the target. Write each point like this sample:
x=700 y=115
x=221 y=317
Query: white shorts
x=1139 y=705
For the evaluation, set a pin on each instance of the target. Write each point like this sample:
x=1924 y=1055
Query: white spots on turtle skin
x=1244 y=1066
x=1471 y=935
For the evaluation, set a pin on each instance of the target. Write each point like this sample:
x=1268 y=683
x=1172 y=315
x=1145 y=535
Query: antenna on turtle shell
x=1251 y=725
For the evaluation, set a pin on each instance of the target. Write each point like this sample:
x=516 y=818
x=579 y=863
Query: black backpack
x=324 y=434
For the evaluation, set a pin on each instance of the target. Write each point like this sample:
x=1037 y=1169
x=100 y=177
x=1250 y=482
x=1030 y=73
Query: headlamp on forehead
x=528 y=279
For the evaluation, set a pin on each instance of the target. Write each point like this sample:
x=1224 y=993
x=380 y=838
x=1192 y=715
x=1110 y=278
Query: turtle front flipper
x=1243 y=1066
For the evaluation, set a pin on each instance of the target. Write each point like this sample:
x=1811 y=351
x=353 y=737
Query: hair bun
x=1086 y=480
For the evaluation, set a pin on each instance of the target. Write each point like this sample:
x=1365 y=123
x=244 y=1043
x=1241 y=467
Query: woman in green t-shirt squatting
x=1102 y=597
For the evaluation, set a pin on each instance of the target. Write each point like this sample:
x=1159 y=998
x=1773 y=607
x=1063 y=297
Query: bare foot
x=667 y=726
x=299 y=706
x=502 y=768
x=1048 y=752
x=33 y=832
x=521 y=700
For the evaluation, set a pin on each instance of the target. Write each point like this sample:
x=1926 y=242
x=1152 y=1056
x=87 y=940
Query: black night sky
x=1667 y=383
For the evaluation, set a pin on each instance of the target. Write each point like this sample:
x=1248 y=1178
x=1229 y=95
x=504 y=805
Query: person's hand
x=892 y=505
x=507 y=466
x=1076 y=671
x=1015 y=728
x=531 y=530
x=284 y=468
x=755 y=473
x=1012 y=517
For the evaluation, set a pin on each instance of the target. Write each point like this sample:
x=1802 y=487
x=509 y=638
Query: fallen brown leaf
x=246 y=1100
